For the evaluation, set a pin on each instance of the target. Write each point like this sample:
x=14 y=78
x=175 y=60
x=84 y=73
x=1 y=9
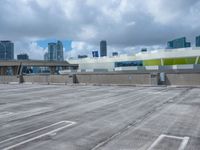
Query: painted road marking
x=182 y=146
x=52 y=132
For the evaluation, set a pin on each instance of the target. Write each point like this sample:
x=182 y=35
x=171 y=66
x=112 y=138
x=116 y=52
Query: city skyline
x=126 y=25
x=56 y=49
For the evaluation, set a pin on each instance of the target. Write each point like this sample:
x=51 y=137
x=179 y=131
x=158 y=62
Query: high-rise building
x=103 y=48
x=198 y=41
x=55 y=51
x=52 y=51
x=115 y=54
x=60 y=56
x=82 y=56
x=178 y=43
x=46 y=56
x=6 y=50
x=95 y=54
x=22 y=57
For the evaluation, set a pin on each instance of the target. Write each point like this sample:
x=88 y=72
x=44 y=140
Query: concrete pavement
x=58 y=117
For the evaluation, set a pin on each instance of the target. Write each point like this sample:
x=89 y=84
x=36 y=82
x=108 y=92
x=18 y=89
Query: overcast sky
x=127 y=25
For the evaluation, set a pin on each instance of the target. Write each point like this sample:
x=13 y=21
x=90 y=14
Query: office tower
x=55 y=51
x=6 y=50
x=22 y=57
x=198 y=41
x=178 y=43
x=52 y=51
x=60 y=56
x=103 y=48
x=95 y=54
x=115 y=54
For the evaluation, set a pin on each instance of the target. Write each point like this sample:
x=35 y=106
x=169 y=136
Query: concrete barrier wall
x=8 y=79
x=189 y=79
x=36 y=79
x=47 y=79
x=66 y=79
x=192 y=79
x=114 y=78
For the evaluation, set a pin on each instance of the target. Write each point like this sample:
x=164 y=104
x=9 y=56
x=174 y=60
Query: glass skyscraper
x=59 y=46
x=198 y=41
x=6 y=50
x=178 y=43
x=103 y=48
x=52 y=51
x=55 y=51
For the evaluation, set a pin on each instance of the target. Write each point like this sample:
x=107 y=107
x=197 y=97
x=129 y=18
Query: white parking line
x=184 y=143
x=156 y=142
x=69 y=123
x=182 y=146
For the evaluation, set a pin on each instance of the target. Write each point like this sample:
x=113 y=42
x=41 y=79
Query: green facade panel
x=179 y=61
x=199 y=61
x=155 y=62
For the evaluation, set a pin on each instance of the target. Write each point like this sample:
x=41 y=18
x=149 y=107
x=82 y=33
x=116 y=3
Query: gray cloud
x=124 y=23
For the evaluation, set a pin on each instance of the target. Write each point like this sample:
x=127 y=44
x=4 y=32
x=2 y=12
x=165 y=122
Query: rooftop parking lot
x=58 y=117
